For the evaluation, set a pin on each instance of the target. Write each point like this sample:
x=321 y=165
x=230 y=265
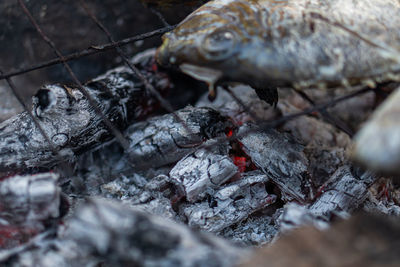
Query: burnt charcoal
x=29 y=198
x=231 y=204
x=203 y=171
x=324 y=161
x=71 y=123
x=163 y=140
x=343 y=193
x=280 y=157
x=28 y=205
x=120 y=235
x=255 y=231
x=375 y=206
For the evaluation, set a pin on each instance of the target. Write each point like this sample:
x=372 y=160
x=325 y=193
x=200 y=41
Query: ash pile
x=204 y=185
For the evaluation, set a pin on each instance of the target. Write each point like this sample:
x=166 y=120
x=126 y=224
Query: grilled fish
x=299 y=43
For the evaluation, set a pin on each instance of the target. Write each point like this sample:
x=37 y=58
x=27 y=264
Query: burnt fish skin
x=298 y=43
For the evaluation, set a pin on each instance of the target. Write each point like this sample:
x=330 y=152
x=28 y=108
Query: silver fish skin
x=298 y=43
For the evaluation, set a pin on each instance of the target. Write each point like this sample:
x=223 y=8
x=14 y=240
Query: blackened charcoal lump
x=71 y=123
x=231 y=204
x=280 y=157
x=29 y=205
x=254 y=231
x=163 y=140
x=29 y=198
x=343 y=193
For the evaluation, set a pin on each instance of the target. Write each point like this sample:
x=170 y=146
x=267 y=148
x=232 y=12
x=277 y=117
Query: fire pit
x=119 y=161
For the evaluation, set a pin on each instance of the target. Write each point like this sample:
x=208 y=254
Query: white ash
x=232 y=203
x=375 y=206
x=121 y=235
x=203 y=171
x=254 y=231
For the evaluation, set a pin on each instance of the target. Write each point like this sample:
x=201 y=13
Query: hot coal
x=211 y=170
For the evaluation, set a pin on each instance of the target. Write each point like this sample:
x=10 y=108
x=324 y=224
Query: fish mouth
x=209 y=75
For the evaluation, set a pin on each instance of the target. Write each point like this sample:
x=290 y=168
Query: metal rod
x=337 y=123
x=94 y=49
x=317 y=107
x=165 y=104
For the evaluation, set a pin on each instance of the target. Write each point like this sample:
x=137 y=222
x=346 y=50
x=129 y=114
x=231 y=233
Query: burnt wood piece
x=344 y=192
x=280 y=157
x=230 y=204
x=164 y=140
x=70 y=121
x=29 y=198
x=202 y=172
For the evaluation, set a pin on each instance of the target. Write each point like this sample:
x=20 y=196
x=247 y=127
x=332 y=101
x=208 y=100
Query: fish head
x=215 y=42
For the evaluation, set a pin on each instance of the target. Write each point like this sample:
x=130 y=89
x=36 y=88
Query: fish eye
x=218 y=44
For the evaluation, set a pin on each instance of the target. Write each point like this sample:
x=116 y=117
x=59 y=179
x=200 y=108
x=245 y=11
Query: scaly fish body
x=298 y=43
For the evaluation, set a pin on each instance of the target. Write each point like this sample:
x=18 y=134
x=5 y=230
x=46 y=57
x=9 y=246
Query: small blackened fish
x=298 y=43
